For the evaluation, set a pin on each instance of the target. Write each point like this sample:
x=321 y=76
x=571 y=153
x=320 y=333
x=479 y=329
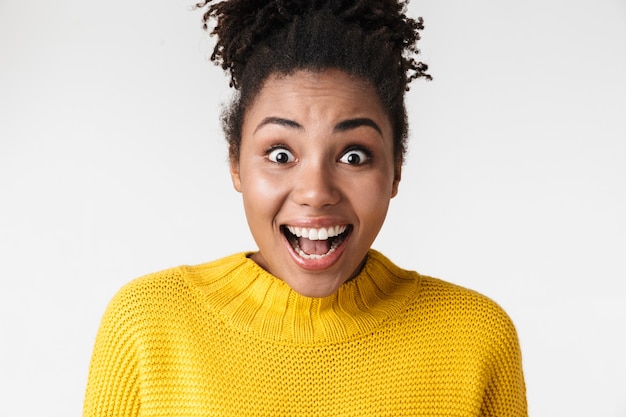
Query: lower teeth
x=308 y=256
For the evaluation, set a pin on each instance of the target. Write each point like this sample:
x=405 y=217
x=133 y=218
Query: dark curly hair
x=370 y=39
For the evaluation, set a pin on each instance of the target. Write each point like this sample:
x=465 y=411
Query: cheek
x=262 y=197
x=371 y=198
x=376 y=210
x=373 y=190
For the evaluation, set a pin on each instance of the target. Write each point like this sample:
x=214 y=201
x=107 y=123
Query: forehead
x=328 y=94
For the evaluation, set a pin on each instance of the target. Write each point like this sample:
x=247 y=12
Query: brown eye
x=354 y=157
x=281 y=156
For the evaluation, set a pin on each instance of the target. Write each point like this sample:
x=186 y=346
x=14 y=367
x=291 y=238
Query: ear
x=396 y=179
x=234 y=175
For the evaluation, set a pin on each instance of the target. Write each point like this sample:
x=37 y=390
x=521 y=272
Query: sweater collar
x=252 y=300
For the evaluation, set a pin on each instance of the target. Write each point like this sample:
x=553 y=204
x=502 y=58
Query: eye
x=280 y=156
x=355 y=157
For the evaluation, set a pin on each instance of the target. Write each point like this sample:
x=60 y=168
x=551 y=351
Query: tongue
x=314 y=247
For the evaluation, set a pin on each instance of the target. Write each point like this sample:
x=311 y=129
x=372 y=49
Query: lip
x=325 y=262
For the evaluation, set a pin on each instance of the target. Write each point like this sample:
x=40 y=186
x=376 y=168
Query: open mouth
x=316 y=243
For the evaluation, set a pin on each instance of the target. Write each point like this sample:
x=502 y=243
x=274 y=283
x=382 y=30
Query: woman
x=315 y=322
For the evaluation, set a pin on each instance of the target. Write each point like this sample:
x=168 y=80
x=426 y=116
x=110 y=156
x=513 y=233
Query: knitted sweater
x=228 y=339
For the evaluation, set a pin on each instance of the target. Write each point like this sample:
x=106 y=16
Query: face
x=316 y=172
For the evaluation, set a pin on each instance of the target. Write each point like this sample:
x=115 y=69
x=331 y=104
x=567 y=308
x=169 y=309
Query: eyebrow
x=354 y=123
x=279 y=121
x=340 y=127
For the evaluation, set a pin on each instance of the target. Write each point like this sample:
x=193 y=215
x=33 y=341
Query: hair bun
x=241 y=26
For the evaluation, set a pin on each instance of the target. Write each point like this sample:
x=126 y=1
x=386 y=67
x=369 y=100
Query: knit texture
x=228 y=339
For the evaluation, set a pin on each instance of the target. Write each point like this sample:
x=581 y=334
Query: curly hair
x=370 y=39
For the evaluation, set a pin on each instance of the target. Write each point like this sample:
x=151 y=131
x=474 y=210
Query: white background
x=112 y=165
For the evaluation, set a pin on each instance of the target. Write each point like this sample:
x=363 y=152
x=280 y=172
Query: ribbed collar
x=253 y=300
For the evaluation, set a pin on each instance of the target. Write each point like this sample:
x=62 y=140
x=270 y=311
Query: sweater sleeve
x=113 y=383
x=505 y=394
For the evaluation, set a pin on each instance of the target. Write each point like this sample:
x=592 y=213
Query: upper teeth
x=317 y=234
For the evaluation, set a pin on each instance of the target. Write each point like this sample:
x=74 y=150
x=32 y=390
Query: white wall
x=112 y=165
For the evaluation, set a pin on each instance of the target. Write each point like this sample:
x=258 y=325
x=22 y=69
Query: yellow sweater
x=228 y=339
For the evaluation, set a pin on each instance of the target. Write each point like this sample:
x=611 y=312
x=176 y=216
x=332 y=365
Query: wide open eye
x=280 y=156
x=355 y=157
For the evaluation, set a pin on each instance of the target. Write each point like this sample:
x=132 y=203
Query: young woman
x=315 y=322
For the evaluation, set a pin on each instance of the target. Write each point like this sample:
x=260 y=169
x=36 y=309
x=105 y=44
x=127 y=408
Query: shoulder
x=463 y=314
x=139 y=298
x=438 y=302
x=433 y=295
x=172 y=289
x=439 y=295
x=177 y=279
x=150 y=287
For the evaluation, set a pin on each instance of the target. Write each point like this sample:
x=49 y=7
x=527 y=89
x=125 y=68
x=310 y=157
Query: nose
x=316 y=186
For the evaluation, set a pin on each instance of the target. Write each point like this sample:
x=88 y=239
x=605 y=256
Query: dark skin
x=317 y=155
